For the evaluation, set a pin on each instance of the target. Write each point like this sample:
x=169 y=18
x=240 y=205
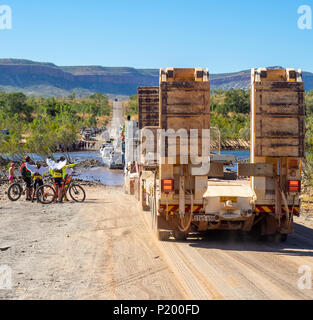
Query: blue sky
x=223 y=35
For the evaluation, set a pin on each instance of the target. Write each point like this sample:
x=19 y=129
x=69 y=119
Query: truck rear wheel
x=163 y=235
x=282 y=237
x=179 y=236
x=154 y=217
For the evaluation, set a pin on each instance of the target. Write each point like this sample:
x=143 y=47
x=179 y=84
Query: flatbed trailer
x=181 y=202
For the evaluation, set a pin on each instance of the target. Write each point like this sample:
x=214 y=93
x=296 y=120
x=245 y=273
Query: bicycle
x=47 y=193
x=74 y=189
x=16 y=190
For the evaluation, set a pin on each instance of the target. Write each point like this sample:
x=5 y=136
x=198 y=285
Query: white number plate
x=206 y=217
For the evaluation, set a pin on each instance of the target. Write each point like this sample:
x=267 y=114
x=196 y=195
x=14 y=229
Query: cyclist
x=38 y=172
x=26 y=175
x=56 y=171
x=67 y=173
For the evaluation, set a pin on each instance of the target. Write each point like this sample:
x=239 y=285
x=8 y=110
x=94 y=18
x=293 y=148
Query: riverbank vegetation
x=39 y=125
x=230 y=111
x=131 y=107
x=308 y=161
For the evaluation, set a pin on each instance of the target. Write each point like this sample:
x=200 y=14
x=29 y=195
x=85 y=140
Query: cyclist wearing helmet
x=67 y=172
x=38 y=172
x=56 y=171
x=26 y=175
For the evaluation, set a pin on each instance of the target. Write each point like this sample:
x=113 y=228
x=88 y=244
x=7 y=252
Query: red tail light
x=294 y=186
x=167 y=185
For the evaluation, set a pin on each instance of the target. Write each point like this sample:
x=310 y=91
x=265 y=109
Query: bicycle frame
x=63 y=187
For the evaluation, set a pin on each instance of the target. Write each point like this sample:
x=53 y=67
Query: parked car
x=86 y=136
x=5 y=133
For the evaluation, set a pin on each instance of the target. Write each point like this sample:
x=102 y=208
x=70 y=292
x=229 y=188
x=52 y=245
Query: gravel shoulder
x=100 y=249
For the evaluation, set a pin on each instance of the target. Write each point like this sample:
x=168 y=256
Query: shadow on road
x=298 y=244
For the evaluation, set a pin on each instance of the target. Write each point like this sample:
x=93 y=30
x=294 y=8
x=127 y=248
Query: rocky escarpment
x=240 y=80
x=47 y=79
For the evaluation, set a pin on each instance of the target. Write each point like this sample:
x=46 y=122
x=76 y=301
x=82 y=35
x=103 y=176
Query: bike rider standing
x=67 y=176
x=38 y=172
x=56 y=171
x=26 y=175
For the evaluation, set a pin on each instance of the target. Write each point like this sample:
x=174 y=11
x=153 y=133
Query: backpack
x=23 y=170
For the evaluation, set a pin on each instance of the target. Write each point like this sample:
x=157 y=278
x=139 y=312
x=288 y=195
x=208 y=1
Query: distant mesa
x=47 y=79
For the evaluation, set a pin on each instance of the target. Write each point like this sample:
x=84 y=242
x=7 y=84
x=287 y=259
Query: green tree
x=15 y=103
x=132 y=106
x=238 y=100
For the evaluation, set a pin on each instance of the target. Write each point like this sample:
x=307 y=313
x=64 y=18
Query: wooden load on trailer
x=277 y=147
x=148 y=107
x=166 y=185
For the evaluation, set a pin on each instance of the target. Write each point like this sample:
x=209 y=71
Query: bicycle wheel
x=15 y=191
x=77 y=193
x=46 y=194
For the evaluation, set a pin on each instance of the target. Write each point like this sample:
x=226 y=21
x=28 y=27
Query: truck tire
x=283 y=237
x=153 y=216
x=144 y=207
x=163 y=235
x=125 y=189
x=179 y=236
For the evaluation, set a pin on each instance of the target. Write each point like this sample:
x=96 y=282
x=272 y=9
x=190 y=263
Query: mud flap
x=269 y=225
x=163 y=224
x=286 y=226
x=247 y=226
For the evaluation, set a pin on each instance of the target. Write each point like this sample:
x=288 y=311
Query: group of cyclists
x=33 y=176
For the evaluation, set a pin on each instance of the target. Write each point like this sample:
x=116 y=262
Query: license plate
x=232 y=199
x=206 y=218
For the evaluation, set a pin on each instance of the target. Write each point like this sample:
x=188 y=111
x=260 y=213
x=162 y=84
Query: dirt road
x=103 y=249
x=96 y=250
x=243 y=268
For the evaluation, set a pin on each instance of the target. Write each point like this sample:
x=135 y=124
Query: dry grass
x=307 y=201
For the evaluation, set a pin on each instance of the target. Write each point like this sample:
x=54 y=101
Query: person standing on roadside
x=27 y=177
x=11 y=173
x=56 y=171
x=38 y=172
x=67 y=176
